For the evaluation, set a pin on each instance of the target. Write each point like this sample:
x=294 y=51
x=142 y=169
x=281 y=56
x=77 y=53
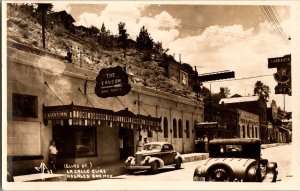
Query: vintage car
x=154 y=155
x=237 y=159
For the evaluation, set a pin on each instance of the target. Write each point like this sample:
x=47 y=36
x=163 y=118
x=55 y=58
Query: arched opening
x=187 y=127
x=174 y=128
x=166 y=128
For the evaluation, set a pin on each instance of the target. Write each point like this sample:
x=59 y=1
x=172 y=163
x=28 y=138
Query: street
x=187 y=169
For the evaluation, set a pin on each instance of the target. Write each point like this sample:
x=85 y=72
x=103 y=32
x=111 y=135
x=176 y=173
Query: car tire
x=219 y=174
x=178 y=164
x=154 y=167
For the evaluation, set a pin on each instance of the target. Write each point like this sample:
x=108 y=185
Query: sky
x=210 y=37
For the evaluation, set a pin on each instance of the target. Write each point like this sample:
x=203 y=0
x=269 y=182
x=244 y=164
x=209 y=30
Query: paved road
x=283 y=156
x=185 y=174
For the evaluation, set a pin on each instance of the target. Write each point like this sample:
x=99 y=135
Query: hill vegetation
x=93 y=49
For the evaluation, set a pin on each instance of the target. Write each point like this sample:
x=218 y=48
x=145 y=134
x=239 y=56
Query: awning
x=207 y=125
x=88 y=116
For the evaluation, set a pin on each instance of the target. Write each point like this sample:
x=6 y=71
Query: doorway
x=126 y=137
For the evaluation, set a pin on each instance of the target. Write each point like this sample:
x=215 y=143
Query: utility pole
x=43 y=24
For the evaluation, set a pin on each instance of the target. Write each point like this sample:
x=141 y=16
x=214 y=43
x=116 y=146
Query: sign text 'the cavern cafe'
x=112 y=82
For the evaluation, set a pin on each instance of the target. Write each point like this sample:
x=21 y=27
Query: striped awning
x=88 y=116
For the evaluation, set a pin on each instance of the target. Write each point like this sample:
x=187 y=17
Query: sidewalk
x=265 y=146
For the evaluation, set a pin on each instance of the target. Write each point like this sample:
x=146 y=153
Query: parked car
x=237 y=160
x=154 y=155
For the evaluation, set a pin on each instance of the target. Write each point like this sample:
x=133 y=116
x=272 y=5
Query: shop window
x=24 y=105
x=187 y=126
x=75 y=141
x=166 y=128
x=180 y=128
x=174 y=128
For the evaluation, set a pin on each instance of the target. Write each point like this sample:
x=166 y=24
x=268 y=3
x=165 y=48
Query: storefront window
x=75 y=141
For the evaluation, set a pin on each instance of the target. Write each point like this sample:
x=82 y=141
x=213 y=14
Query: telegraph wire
x=267 y=16
x=276 y=23
x=279 y=21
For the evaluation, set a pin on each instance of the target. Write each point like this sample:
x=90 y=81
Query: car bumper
x=137 y=167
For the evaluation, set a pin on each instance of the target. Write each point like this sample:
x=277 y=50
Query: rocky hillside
x=23 y=26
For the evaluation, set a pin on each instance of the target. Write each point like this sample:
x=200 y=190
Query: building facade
x=248 y=124
x=49 y=99
x=254 y=105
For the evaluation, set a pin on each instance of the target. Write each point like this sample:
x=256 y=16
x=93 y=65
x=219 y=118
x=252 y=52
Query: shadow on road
x=161 y=170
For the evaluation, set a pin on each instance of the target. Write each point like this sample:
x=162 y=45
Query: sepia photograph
x=142 y=95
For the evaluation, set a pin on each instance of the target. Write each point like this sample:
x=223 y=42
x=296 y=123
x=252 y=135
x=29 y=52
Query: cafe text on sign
x=112 y=82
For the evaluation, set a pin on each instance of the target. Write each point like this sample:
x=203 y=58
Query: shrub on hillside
x=58 y=32
x=24 y=33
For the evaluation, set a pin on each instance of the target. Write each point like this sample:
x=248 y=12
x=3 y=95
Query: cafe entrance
x=126 y=137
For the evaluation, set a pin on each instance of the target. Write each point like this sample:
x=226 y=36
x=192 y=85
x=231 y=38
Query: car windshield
x=150 y=147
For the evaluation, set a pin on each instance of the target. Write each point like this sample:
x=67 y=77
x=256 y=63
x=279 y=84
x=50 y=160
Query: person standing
x=121 y=148
x=52 y=155
x=139 y=144
x=145 y=140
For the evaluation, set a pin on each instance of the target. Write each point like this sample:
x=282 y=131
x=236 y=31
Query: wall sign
x=112 y=82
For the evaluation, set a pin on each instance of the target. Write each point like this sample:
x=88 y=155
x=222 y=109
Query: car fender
x=128 y=160
x=236 y=165
x=178 y=156
x=271 y=172
x=154 y=159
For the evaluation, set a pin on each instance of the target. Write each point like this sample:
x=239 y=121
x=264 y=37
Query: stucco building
x=50 y=99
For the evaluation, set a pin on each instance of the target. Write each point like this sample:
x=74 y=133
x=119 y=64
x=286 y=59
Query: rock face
x=87 y=53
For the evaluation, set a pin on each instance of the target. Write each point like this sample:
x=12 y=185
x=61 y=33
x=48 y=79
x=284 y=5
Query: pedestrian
x=139 y=144
x=121 y=149
x=52 y=155
x=145 y=140
x=205 y=144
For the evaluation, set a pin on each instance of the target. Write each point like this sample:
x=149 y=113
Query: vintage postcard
x=150 y=95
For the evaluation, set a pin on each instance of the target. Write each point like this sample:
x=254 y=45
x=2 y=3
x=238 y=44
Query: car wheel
x=178 y=164
x=219 y=174
x=154 y=168
x=131 y=172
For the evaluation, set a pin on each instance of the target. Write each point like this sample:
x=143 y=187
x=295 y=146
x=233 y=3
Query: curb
x=195 y=157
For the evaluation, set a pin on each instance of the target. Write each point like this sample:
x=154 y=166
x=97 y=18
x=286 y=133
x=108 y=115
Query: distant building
x=220 y=122
x=254 y=105
x=62 y=18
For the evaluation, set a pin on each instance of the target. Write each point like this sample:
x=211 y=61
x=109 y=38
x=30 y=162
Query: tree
x=123 y=36
x=144 y=40
x=104 y=34
x=262 y=91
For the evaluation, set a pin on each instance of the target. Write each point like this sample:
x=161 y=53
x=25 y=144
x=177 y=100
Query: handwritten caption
x=85 y=172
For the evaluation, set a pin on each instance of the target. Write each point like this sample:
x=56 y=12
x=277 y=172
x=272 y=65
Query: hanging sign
x=112 y=82
x=283 y=74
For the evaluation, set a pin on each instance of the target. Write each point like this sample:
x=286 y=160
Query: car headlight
x=198 y=178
